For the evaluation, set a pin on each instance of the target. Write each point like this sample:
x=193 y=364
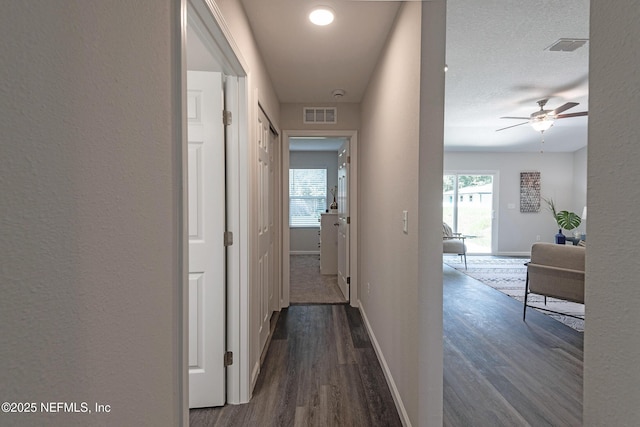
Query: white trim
x=352 y=135
x=181 y=231
x=522 y=254
x=304 y=252
x=402 y=412
x=286 y=232
x=225 y=50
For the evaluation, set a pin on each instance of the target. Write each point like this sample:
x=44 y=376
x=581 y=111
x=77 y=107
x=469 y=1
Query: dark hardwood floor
x=501 y=371
x=320 y=370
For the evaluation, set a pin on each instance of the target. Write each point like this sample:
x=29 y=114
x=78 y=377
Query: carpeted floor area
x=508 y=275
x=308 y=286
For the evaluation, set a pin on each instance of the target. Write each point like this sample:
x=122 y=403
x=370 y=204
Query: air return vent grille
x=566 y=45
x=323 y=115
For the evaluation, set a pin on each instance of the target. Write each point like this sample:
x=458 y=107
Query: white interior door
x=343 y=219
x=265 y=291
x=206 y=182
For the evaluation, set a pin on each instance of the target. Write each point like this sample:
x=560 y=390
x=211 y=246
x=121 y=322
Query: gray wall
x=400 y=274
x=90 y=180
x=612 y=293
x=304 y=240
x=563 y=178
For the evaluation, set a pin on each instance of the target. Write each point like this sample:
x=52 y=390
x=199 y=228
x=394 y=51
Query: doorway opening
x=319 y=212
x=313 y=220
x=468 y=207
x=208 y=53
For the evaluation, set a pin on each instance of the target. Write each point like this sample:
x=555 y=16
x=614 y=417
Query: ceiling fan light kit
x=542 y=124
x=542 y=119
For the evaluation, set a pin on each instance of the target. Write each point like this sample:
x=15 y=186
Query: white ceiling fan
x=543 y=119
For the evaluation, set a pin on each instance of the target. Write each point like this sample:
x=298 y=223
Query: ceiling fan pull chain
x=542 y=147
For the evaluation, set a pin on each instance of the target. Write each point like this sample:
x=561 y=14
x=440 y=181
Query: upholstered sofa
x=556 y=271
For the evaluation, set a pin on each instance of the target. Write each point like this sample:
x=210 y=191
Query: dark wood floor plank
x=359 y=335
x=378 y=395
x=343 y=343
x=312 y=376
x=321 y=370
x=501 y=371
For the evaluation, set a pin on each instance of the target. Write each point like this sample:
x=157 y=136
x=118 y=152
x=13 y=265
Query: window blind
x=307 y=196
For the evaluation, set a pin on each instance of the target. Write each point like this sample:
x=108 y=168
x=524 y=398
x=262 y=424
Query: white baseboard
x=404 y=417
x=525 y=254
x=304 y=252
x=254 y=376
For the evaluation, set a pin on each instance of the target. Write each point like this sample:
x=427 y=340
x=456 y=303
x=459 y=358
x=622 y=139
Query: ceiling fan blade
x=509 y=127
x=566 y=116
x=564 y=107
x=519 y=118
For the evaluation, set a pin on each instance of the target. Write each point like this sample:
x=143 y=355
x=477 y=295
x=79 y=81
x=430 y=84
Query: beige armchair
x=556 y=271
x=453 y=243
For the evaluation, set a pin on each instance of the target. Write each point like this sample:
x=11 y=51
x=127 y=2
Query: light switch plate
x=405 y=222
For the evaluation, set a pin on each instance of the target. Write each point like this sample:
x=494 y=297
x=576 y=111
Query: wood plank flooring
x=501 y=371
x=320 y=370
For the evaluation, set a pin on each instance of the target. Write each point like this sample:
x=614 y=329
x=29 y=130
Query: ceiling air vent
x=323 y=115
x=566 y=45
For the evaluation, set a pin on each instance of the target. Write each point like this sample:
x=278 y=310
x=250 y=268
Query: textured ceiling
x=498 y=65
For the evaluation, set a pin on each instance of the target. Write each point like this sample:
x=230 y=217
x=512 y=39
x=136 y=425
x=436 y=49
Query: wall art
x=529 y=192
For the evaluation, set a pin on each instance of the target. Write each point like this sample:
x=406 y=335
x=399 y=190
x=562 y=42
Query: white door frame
x=352 y=135
x=217 y=38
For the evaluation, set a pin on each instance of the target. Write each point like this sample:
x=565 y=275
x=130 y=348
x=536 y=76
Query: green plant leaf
x=568 y=220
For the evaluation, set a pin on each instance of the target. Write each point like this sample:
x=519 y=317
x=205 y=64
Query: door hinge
x=349 y=280
x=348 y=159
x=228 y=238
x=226 y=117
x=348 y=220
x=228 y=358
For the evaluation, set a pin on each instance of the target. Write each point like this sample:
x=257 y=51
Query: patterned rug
x=509 y=275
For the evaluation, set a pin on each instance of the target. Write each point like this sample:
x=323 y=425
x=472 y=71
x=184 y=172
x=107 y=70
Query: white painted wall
x=306 y=239
x=432 y=83
x=612 y=336
x=580 y=183
x=563 y=178
x=388 y=184
x=90 y=178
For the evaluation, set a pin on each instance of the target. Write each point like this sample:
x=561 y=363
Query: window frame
x=321 y=200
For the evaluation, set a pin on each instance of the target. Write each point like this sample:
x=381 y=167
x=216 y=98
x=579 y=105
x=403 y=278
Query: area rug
x=308 y=286
x=508 y=275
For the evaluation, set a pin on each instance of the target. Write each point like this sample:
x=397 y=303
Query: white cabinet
x=329 y=243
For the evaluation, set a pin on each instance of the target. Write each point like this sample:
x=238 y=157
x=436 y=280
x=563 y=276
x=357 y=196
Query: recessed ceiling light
x=321 y=16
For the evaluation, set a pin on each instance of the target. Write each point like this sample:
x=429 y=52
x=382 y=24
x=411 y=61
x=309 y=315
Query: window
x=475 y=218
x=307 y=196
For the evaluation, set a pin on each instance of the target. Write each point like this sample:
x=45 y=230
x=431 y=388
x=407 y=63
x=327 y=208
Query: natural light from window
x=307 y=197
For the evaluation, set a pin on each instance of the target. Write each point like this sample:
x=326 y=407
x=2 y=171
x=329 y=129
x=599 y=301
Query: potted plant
x=566 y=220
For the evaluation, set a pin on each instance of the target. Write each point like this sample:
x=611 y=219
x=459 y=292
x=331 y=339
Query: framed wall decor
x=529 y=192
